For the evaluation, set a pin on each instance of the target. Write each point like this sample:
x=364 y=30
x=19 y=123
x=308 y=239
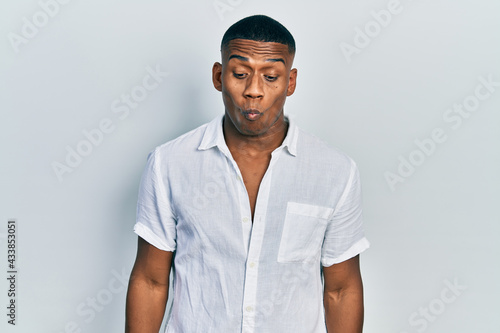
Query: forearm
x=145 y=307
x=344 y=311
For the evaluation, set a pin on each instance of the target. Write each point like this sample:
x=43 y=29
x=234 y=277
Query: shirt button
x=252 y=264
x=249 y=308
x=245 y=219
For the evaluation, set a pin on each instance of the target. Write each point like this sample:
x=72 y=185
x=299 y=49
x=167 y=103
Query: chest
x=252 y=171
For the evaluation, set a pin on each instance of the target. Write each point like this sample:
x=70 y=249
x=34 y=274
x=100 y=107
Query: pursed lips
x=251 y=114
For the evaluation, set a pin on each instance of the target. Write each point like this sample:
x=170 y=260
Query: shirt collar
x=214 y=136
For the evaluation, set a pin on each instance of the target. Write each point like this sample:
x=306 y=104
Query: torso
x=253 y=161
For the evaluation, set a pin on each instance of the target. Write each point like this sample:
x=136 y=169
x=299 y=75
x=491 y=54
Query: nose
x=254 y=87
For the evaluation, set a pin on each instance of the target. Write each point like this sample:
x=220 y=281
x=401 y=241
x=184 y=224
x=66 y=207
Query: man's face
x=255 y=78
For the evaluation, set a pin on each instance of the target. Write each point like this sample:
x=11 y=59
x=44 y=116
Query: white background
x=437 y=228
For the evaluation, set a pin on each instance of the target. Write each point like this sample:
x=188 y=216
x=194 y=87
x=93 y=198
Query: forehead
x=255 y=49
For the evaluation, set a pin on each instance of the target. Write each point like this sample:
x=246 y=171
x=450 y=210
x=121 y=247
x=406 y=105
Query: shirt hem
x=354 y=250
x=149 y=236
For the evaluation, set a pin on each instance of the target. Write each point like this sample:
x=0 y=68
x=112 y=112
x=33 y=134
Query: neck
x=254 y=146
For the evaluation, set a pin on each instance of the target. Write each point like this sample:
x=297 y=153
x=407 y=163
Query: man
x=249 y=211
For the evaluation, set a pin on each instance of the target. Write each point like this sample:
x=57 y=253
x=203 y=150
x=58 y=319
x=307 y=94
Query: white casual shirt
x=234 y=275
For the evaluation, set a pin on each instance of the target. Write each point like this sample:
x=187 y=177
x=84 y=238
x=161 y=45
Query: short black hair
x=259 y=28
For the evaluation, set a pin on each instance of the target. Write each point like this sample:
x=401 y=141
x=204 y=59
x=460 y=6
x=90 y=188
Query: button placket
x=252 y=236
x=254 y=250
x=244 y=206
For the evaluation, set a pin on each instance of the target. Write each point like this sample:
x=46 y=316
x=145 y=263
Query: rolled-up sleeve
x=155 y=222
x=344 y=236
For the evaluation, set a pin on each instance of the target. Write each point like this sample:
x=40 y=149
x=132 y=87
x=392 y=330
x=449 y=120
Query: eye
x=271 y=78
x=239 y=75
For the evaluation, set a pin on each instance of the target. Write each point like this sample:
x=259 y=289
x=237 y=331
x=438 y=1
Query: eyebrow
x=246 y=59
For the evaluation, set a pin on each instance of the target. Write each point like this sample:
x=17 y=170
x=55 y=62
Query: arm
x=148 y=289
x=343 y=297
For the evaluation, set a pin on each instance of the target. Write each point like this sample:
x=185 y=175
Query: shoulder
x=182 y=145
x=318 y=151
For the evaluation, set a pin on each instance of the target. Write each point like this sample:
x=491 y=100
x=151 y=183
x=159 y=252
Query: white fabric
x=232 y=275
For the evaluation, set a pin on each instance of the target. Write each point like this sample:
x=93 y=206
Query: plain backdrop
x=382 y=80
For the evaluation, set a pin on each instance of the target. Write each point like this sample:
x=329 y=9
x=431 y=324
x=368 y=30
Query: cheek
x=229 y=97
x=278 y=92
x=231 y=85
x=229 y=91
x=233 y=90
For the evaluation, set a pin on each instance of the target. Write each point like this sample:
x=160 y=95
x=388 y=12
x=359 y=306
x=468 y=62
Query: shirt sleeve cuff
x=145 y=233
x=354 y=250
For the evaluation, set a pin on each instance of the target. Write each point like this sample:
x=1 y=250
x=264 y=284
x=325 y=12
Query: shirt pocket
x=303 y=232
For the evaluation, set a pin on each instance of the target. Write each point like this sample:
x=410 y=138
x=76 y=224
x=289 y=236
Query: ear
x=217 y=76
x=292 y=82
